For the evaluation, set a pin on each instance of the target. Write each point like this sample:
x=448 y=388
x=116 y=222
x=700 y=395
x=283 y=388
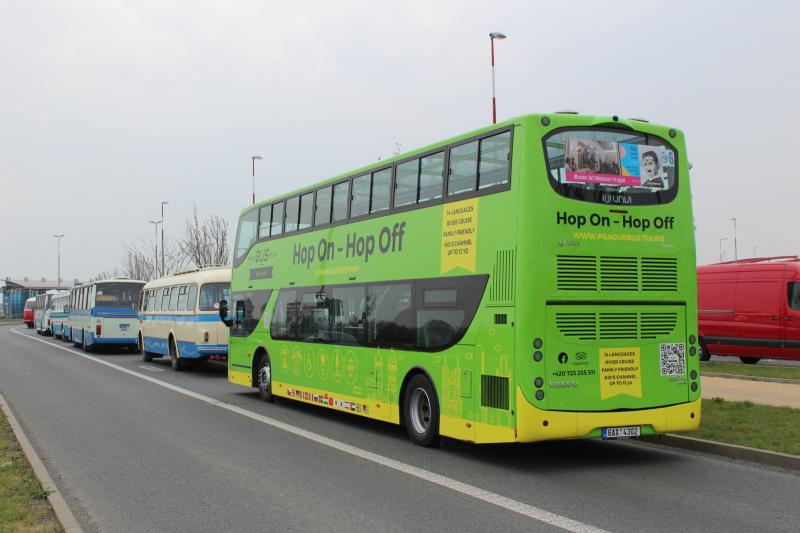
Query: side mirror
x=223 y=313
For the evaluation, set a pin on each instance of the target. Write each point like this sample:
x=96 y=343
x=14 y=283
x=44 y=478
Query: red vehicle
x=27 y=313
x=750 y=308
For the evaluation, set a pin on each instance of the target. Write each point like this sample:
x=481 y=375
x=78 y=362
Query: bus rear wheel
x=750 y=360
x=86 y=347
x=265 y=379
x=421 y=411
x=177 y=363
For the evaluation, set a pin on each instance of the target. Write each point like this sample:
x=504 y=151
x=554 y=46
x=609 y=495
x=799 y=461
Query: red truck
x=27 y=313
x=750 y=308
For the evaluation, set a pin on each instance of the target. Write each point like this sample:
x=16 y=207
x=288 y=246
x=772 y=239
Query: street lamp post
x=254 y=157
x=492 y=36
x=162 y=237
x=721 y=255
x=58 y=279
x=155 y=224
x=735 y=249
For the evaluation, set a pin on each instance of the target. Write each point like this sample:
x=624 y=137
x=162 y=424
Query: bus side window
x=292 y=214
x=183 y=297
x=238 y=320
x=191 y=304
x=265 y=221
x=431 y=174
x=493 y=166
x=322 y=214
x=340 y=201
x=285 y=316
x=405 y=186
x=173 y=299
x=463 y=169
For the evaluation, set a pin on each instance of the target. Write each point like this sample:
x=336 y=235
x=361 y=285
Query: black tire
x=750 y=360
x=421 y=411
x=705 y=355
x=264 y=379
x=86 y=347
x=177 y=363
x=147 y=357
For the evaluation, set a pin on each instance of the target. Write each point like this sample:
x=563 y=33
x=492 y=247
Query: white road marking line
x=151 y=368
x=437 y=479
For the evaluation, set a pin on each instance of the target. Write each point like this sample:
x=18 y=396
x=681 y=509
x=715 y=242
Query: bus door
x=790 y=321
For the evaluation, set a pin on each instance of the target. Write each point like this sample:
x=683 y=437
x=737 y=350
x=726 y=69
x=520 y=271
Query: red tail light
x=98 y=330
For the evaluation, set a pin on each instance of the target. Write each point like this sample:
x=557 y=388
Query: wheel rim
x=420 y=410
x=265 y=377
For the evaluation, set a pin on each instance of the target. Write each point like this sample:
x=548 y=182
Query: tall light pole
x=721 y=255
x=155 y=224
x=58 y=280
x=492 y=36
x=162 y=237
x=735 y=249
x=254 y=157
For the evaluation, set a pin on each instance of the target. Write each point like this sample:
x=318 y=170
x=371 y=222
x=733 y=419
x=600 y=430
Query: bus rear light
x=98 y=329
x=205 y=337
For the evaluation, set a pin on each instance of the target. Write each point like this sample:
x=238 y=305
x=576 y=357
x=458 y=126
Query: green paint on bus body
x=607 y=286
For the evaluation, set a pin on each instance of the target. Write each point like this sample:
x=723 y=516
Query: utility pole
x=58 y=279
x=735 y=249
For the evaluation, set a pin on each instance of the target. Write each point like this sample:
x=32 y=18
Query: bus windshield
x=117 y=295
x=611 y=166
x=213 y=293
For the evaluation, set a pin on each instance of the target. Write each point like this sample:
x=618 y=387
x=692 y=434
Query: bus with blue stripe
x=40 y=310
x=179 y=317
x=58 y=314
x=104 y=313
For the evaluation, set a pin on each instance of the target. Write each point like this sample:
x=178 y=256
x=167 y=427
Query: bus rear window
x=611 y=166
x=117 y=295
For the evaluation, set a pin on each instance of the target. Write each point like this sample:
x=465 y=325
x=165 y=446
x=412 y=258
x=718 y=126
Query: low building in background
x=14 y=293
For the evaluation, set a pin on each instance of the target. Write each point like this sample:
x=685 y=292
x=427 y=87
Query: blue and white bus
x=179 y=316
x=58 y=314
x=40 y=311
x=103 y=313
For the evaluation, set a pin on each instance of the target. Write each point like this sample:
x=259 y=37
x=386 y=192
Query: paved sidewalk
x=762 y=392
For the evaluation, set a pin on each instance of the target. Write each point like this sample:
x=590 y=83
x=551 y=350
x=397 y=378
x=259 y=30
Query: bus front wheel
x=750 y=360
x=265 y=379
x=147 y=357
x=421 y=411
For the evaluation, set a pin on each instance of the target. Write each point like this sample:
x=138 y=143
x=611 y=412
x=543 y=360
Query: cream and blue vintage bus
x=58 y=314
x=179 y=317
x=103 y=313
x=40 y=311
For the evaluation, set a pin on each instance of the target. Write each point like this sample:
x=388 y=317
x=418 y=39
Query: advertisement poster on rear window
x=618 y=164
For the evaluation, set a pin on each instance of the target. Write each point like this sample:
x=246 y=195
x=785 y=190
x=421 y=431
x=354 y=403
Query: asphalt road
x=137 y=447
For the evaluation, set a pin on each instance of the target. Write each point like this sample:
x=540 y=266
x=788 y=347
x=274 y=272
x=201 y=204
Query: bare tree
x=106 y=274
x=205 y=242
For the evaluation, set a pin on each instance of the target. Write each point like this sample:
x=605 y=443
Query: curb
x=732 y=451
x=60 y=508
x=750 y=378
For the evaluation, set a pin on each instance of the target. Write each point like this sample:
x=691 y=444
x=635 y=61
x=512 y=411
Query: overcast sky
x=109 y=107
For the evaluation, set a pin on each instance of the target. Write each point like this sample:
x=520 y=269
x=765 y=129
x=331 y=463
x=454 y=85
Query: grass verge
x=23 y=501
x=764 y=371
x=744 y=423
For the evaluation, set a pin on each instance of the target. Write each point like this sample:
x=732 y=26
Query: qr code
x=673 y=358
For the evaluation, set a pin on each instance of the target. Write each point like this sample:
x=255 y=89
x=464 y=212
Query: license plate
x=622 y=432
x=124 y=327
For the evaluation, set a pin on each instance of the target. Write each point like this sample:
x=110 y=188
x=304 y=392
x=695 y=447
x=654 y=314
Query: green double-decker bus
x=531 y=280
